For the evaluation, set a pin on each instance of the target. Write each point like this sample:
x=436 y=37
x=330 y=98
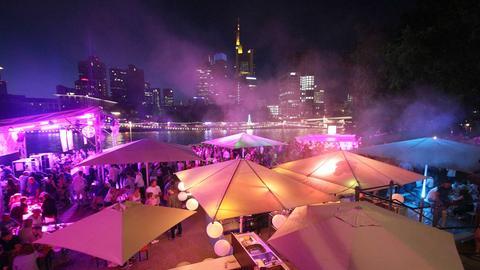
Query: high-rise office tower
x=118 y=85
x=204 y=84
x=128 y=86
x=244 y=69
x=92 y=79
x=167 y=97
x=289 y=96
x=157 y=100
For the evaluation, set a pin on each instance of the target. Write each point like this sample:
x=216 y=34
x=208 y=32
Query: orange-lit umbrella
x=241 y=187
x=340 y=172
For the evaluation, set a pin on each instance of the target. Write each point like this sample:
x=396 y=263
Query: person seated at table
x=135 y=196
x=151 y=200
x=26 y=258
x=49 y=207
x=14 y=200
x=33 y=188
x=10 y=243
x=464 y=202
x=8 y=223
x=99 y=192
x=19 y=210
x=26 y=233
x=36 y=217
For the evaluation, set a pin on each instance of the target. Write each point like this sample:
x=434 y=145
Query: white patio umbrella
x=340 y=172
x=145 y=150
x=362 y=236
x=240 y=187
x=243 y=140
x=118 y=232
x=430 y=151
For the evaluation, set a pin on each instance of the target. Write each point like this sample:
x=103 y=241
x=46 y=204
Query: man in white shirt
x=78 y=187
x=155 y=190
x=113 y=174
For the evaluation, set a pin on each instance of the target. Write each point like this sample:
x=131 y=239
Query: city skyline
x=167 y=40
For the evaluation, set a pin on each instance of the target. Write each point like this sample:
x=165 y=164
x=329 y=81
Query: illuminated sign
x=88 y=131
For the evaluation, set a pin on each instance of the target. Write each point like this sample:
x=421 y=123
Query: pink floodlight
x=86 y=116
x=50 y=127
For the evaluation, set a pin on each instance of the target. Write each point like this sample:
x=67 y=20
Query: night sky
x=42 y=41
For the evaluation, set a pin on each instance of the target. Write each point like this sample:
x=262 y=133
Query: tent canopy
x=118 y=232
x=34 y=121
x=145 y=150
x=361 y=236
x=241 y=187
x=243 y=140
x=340 y=172
x=430 y=151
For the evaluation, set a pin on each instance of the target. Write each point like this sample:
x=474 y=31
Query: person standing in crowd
x=113 y=175
x=33 y=188
x=174 y=202
x=442 y=202
x=155 y=190
x=78 y=187
x=23 y=179
x=26 y=259
x=49 y=207
x=140 y=184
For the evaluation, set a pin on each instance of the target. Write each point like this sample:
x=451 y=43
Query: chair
x=144 y=250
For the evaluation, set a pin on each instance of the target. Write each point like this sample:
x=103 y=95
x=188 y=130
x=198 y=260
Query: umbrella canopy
x=340 y=172
x=243 y=140
x=118 y=232
x=430 y=151
x=145 y=150
x=361 y=236
x=241 y=187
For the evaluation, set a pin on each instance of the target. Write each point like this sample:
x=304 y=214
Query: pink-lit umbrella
x=243 y=140
x=340 y=172
x=118 y=232
x=362 y=236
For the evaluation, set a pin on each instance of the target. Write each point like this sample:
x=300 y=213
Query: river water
x=50 y=142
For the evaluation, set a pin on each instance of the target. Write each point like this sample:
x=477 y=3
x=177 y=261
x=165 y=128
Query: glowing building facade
x=92 y=79
x=244 y=70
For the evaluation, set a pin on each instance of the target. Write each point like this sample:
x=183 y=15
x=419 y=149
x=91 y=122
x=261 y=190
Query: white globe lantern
x=192 y=204
x=181 y=186
x=182 y=196
x=278 y=220
x=398 y=197
x=214 y=229
x=222 y=247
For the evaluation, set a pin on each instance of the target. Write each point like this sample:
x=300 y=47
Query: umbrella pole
x=423 y=194
x=241 y=224
x=146 y=170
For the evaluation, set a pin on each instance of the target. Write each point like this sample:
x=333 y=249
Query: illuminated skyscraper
x=204 y=84
x=92 y=79
x=289 y=96
x=244 y=69
x=167 y=97
x=118 y=85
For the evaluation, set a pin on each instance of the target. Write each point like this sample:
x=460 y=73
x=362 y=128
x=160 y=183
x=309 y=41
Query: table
x=227 y=262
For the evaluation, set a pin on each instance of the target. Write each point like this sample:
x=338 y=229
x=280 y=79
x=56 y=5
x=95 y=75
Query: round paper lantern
x=182 y=196
x=222 y=247
x=398 y=197
x=192 y=204
x=278 y=220
x=214 y=229
x=181 y=186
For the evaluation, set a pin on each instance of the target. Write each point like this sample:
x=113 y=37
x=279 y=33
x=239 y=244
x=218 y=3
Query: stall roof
x=32 y=119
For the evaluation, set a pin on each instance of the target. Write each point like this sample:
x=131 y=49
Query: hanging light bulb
x=181 y=186
x=182 y=196
x=214 y=229
x=222 y=247
x=278 y=220
x=192 y=204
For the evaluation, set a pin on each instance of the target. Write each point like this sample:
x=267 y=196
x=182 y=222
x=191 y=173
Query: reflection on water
x=50 y=142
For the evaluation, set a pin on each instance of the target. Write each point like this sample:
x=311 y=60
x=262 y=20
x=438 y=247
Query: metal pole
x=130 y=125
x=390 y=196
x=147 y=174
